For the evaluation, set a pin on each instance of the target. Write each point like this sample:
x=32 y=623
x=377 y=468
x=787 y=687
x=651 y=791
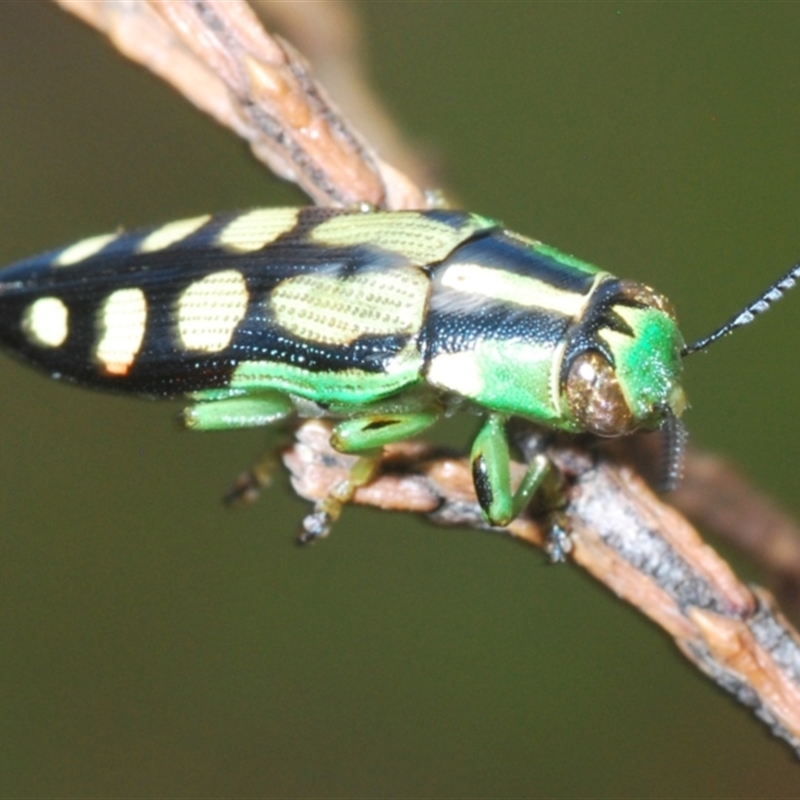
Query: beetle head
x=622 y=362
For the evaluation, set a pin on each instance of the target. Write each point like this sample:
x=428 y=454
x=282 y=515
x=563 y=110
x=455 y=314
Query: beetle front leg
x=367 y=436
x=491 y=474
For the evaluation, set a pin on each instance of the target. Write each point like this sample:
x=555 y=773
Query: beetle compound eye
x=595 y=397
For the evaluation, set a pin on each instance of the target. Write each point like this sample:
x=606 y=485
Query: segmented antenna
x=749 y=312
x=673 y=450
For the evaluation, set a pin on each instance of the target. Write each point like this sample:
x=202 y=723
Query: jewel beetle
x=382 y=321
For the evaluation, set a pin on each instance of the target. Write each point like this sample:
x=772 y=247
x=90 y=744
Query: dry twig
x=640 y=548
x=217 y=55
x=329 y=35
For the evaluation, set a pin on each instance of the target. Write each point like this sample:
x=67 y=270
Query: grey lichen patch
x=641 y=543
x=742 y=691
x=777 y=639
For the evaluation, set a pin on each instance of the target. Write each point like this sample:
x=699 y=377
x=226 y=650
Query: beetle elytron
x=383 y=321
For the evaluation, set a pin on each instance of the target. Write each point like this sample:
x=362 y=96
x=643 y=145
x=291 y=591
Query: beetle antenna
x=749 y=312
x=673 y=450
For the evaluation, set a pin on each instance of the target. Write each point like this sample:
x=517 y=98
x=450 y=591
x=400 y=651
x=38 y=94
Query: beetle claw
x=315 y=526
x=558 y=544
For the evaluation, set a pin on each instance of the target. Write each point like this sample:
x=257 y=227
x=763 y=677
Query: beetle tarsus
x=249 y=484
x=559 y=543
x=316 y=525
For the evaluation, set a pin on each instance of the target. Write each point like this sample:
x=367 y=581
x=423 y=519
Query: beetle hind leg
x=216 y=410
x=223 y=409
x=258 y=476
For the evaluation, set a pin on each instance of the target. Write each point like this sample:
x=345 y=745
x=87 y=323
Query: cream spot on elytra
x=210 y=309
x=171 y=233
x=46 y=322
x=333 y=310
x=82 y=250
x=256 y=229
x=121 y=325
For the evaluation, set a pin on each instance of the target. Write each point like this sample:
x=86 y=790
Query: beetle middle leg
x=366 y=436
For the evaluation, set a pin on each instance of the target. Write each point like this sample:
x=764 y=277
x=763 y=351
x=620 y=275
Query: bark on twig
x=328 y=33
x=627 y=538
x=216 y=54
x=719 y=499
x=219 y=57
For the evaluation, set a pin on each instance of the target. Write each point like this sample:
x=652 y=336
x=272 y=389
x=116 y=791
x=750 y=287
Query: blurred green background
x=153 y=643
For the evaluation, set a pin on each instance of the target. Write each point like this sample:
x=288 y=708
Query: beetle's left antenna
x=673 y=451
x=749 y=312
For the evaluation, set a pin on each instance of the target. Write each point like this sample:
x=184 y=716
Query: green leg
x=490 y=461
x=227 y=413
x=225 y=409
x=318 y=524
x=365 y=435
x=376 y=430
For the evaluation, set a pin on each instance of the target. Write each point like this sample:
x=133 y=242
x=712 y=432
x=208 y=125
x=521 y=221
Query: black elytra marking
x=480 y=479
x=257 y=339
